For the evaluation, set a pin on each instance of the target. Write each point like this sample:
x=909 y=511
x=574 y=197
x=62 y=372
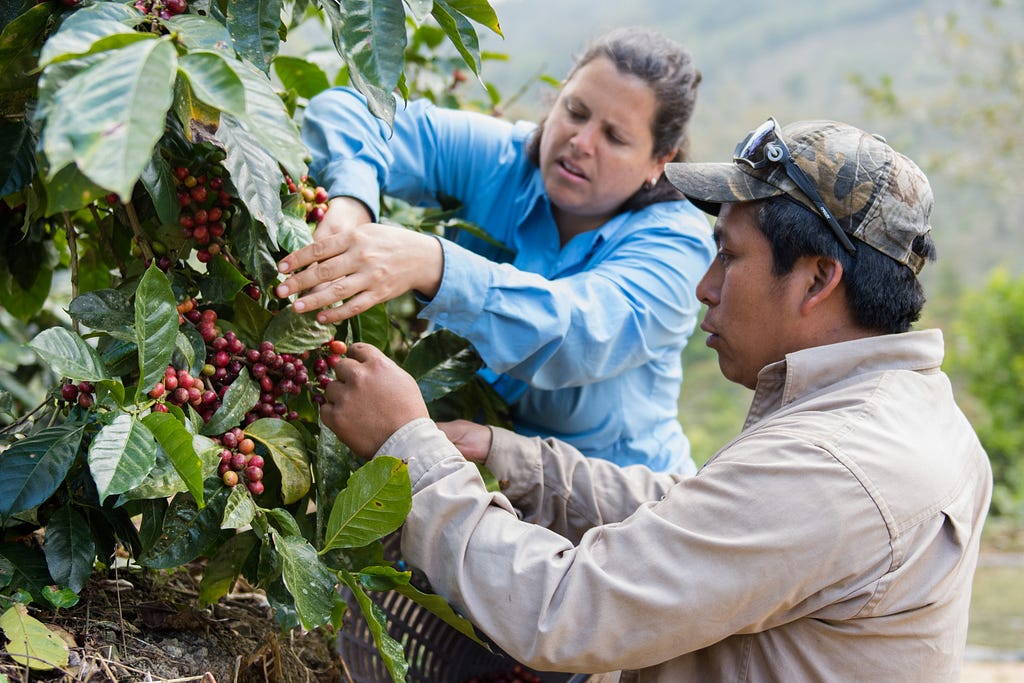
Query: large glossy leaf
x=212 y=78
x=70 y=548
x=379 y=98
x=70 y=190
x=288 y=451
x=300 y=75
x=460 y=31
x=121 y=455
x=268 y=120
x=24 y=299
x=28 y=568
x=179 y=445
x=250 y=319
x=33 y=468
x=375 y=503
x=373 y=326
x=390 y=649
x=68 y=355
x=251 y=242
x=254 y=173
x=19 y=52
x=294 y=233
x=224 y=568
x=160 y=183
x=479 y=11
x=85 y=38
x=108 y=118
x=108 y=310
x=309 y=581
x=441 y=362
x=385 y=578
x=239 y=399
x=292 y=332
x=254 y=26
x=333 y=464
x=375 y=39
x=30 y=643
x=17 y=156
x=240 y=509
x=156 y=327
x=187 y=530
x=201 y=32
x=222 y=281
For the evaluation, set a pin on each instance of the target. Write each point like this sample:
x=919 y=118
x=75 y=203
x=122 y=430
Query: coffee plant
x=159 y=404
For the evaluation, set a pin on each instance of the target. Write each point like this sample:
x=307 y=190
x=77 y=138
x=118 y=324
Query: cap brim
x=709 y=185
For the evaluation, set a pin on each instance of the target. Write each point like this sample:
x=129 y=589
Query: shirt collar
x=809 y=370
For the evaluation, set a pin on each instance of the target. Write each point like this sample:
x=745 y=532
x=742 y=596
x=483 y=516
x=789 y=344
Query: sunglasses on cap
x=765 y=145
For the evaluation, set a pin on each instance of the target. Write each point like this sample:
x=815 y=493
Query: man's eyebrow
x=717 y=234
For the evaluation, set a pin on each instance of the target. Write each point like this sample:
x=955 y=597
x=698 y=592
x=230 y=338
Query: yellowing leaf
x=31 y=643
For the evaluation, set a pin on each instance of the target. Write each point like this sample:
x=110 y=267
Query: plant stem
x=69 y=228
x=140 y=236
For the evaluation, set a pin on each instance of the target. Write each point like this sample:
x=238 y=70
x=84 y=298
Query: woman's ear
x=823 y=276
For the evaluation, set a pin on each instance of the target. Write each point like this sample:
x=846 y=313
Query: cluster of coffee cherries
x=80 y=393
x=205 y=208
x=165 y=9
x=239 y=461
x=314 y=197
x=517 y=674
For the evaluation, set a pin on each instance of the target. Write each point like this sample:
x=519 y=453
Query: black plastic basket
x=436 y=652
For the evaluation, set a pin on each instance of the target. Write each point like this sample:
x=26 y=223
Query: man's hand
x=370 y=400
x=473 y=440
x=360 y=263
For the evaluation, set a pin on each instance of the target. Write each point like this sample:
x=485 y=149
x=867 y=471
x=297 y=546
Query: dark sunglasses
x=765 y=145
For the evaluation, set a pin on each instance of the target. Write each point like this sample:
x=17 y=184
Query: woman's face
x=597 y=148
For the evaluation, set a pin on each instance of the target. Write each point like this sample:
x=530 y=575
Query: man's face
x=752 y=314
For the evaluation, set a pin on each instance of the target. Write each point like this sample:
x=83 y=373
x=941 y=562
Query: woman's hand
x=359 y=263
x=370 y=400
x=473 y=440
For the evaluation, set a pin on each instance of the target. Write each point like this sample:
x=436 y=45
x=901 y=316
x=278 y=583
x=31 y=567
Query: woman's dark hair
x=883 y=294
x=668 y=69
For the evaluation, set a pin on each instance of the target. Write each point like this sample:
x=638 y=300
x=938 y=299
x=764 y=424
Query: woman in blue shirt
x=581 y=323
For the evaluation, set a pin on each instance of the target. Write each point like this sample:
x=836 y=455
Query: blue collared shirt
x=585 y=340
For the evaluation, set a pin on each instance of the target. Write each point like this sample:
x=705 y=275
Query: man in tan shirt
x=834 y=539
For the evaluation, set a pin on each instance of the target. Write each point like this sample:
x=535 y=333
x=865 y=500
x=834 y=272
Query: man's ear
x=823 y=276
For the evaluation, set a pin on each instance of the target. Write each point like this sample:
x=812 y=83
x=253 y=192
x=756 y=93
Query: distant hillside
x=793 y=60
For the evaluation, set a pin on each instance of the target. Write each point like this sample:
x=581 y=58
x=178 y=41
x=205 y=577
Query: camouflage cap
x=875 y=193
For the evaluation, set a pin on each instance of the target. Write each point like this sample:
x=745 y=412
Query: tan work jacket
x=834 y=539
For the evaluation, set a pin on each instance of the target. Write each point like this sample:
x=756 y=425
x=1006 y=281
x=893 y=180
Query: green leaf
x=375 y=503
x=17 y=156
x=373 y=327
x=108 y=118
x=178 y=444
x=460 y=31
x=251 y=242
x=201 y=32
x=156 y=327
x=293 y=332
x=294 y=233
x=222 y=281
x=479 y=11
x=70 y=190
x=70 y=548
x=240 y=509
x=310 y=582
x=379 y=98
x=268 y=121
x=375 y=39
x=31 y=643
x=255 y=174
x=250 y=319
x=213 y=79
x=28 y=570
x=388 y=578
x=287 y=449
x=241 y=396
x=94 y=38
x=160 y=183
x=390 y=649
x=187 y=530
x=441 y=362
x=24 y=300
x=121 y=455
x=254 y=26
x=107 y=310
x=19 y=50
x=33 y=468
x=224 y=568
x=305 y=78
x=81 y=29
x=68 y=355
x=62 y=598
